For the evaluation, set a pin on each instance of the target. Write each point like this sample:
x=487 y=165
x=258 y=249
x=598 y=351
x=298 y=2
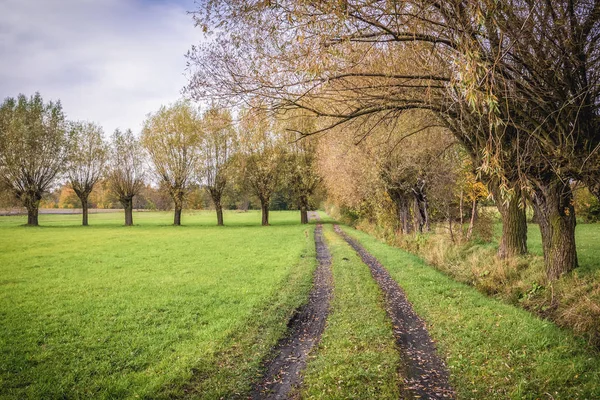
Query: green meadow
x=108 y=311
x=156 y=311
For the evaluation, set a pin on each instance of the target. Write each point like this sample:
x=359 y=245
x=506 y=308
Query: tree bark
x=303 y=215
x=219 y=209
x=178 y=196
x=84 y=211
x=216 y=198
x=264 y=205
x=127 y=203
x=303 y=211
x=514 y=223
x=83 y=197
x=177 y=216
x=420 y=207
x=32 y=216
x=32 y=203
x=554 y=203
x=402 y=210
x=404 y=215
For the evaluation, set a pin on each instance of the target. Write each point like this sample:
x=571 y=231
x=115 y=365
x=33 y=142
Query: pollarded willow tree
x=399 y=167
x=546 y=76
x=529 y=69
x=301 y=160
x=87 y=160
x=126 y=174
x=217 y=148
x=262 y=155
x=172 y=138
x=33 y=148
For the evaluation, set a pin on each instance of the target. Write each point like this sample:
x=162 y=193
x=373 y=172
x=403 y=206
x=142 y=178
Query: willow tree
x=301 y=160
x=405 y=159
x=348 y=61
x=262 y=157
x=33 y=148
x=172 y=138
x=126 y=173
x=217 y=148
x=545 y=72
x=87 y=160
x=529 y=69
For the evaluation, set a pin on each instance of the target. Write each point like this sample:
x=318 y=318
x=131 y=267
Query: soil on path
x=283 y=373
x=426 y=375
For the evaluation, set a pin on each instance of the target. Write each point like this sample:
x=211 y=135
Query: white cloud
x=108 y=61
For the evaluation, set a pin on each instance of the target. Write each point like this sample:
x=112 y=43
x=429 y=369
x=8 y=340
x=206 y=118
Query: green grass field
x=109 y=311
x=156 y=311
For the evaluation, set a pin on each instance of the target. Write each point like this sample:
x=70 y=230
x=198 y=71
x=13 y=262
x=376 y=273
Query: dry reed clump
x=578 y=306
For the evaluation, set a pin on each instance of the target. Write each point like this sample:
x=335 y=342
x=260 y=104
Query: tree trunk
x=84 y=210
x=416 y=214
x=127 y=203
x=264 y=205
x=420 y=207
x=402 y=203
x=404 y=215
x=215 y=195
x=219 y=210
x=303 y=210
x=403 y=212
x=303 y=215
x=83 y=197
x=32 y=216
x=177 y=216
x=32 y=204
x=426 y=213
x=514 y=223
x=554 y=203
x=178 y=196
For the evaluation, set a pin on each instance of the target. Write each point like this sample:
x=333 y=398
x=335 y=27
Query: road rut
x=283 y=372
x=426 y=375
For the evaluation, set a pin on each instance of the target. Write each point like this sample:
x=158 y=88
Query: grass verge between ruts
x=493 y=350
x=357 y=357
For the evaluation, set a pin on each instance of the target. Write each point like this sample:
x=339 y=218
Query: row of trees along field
x=180 y=149
x=515 y=83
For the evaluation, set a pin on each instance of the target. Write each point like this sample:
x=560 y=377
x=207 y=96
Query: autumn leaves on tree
x=186 y=150
x=517 y=85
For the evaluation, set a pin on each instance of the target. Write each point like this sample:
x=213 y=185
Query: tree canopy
x=33 y=148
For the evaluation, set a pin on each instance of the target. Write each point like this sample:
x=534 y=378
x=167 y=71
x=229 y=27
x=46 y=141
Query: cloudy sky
x=108 y=61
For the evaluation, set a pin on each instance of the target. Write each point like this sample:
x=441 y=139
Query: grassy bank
x=356 y=358
x=112 y=312
x=493 y=350
x=572 y=302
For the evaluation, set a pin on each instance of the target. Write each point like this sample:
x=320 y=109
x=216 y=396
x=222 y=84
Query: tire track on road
x=283 y=372
x=426 y=375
